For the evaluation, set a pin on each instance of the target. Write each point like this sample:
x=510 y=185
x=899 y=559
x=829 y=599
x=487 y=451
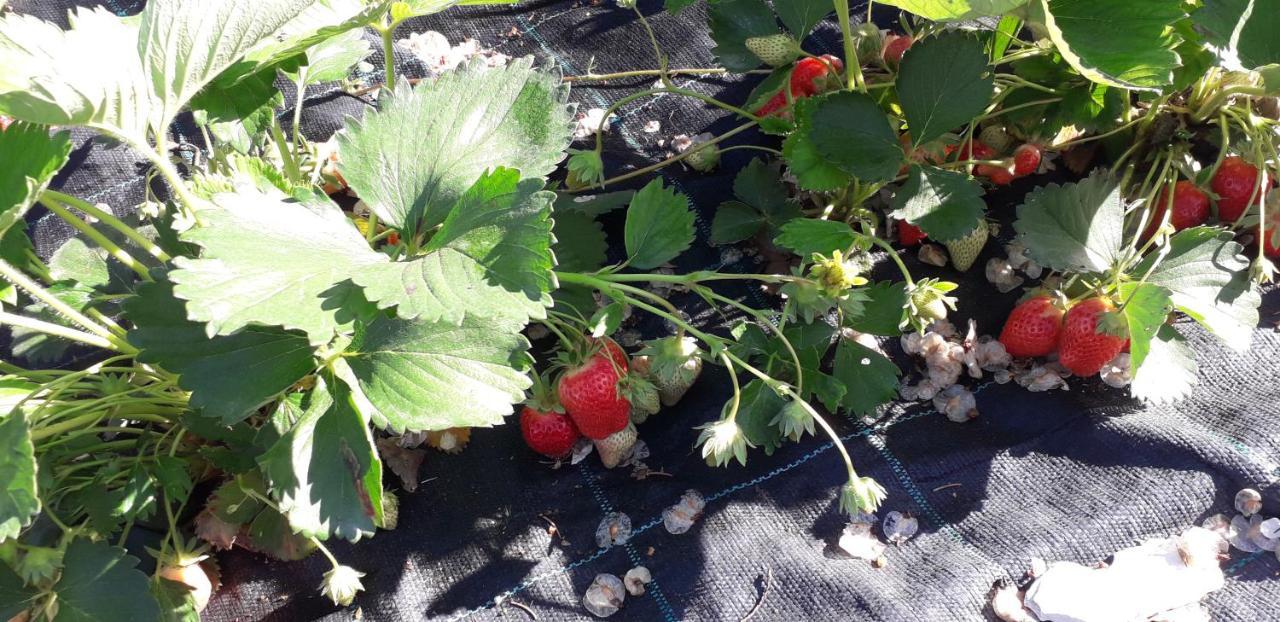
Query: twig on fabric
x=523 y=607
x=764 y=591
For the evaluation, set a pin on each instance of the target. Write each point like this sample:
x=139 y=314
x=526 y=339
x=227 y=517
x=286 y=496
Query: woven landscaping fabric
x=1072 y=475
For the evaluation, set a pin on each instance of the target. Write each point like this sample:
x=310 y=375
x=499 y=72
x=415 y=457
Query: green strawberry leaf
x=871 y=378
x=76 y=261
x=806 y=236
x=229 y=376
x=1208 y=276
x=20 y=501
x=944 y=83
x=1146 y=307
x=433 y=376
x=175 y=600
x=1125 y=44
x=490 y=258
x=800 y=16
x=276 y=261
x=271 y=534
x=659 y=226
x=762 y=202
x=675 y=6
x=414 y=159
x=325 y=469
x=100 y=583
x=955 y=10
x=15 y=596
x=332 y=60
x=1241 y=29
x=851 y=132
x=732 y=23
x=881 y=312
x=771 y=85
x=1074 y=227
x=735 y=221
x=239 y=114
x=812 y=171
x=757 y=406
x=1169 y=370
x=593 y=204
x=945 y=204
x=29 y=157
x=580 y=242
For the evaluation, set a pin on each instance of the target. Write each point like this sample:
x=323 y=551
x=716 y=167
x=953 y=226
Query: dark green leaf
x=100 y=584
x=490 y=258
x=870 y=378
x=732 y=23
x=659 y=226
x=945 y=204
x=15 y=596
x=239 y=114
x=580 y=243
x=850 y=131
x=434 y=376
x=175 y=601
x=1258 y=21
x=325 y=470
x=1169 y=372
x=812 y=171
x=800 y=16
x=229 y=376
x=1208 y=276
x=416 y=157
x=606 y=320
x=881 y=312
x=593 y=204
x=757 y=406
x=29 y=157
x=807 y=236
x=944 y=83
x=1126 y=44
x=1146 y=307
x=675 y=6
x=270 y=534
x=75 y=261
x=956 y=10
x=1074 y=227
x=734 y=222
x=20 y=501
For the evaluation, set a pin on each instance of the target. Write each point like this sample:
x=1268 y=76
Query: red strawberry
x=589 y=392
x=909 y=234
x=999 y=175
x=975 y=150
x=5 y=122
x=1190 y=208
x=548 y=432
x=808 y=77
x=1083 y=349
x=1026 y=160
x=1234 y=182
x=894 y=47
x=1271 y=245
x=1032 y=328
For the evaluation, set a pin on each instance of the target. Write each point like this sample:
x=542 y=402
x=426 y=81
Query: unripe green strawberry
x=775 y=50
x=674 y=364
x=702 y=157
x=617 y=446
x=930 y=304
x=642 y=394
x=996 y=138
x=964 y=251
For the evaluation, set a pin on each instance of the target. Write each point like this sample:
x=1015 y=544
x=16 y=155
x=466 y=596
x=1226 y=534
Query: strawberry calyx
x=542 y=395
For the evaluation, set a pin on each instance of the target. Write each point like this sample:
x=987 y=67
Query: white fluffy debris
x=858 y=540
x=581 y=450
x=1142 y=582
x=605 y=596
x=680 y=517
x=653 y=126
x=957 y=403
x=1116 y=372
x=1239 y=536
x=614 y=529
x=1040 y=378
x=1257 y=533
x=1248 y=502
x=932 y=254
x=1018 y=260
x=898 y=527
x=439 y=56
x=1001 y=274
x=636 y=579
x=589 y=121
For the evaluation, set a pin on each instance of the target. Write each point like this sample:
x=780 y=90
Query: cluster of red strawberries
x=601 y=394
x=1038 y=327
x=1236 y=185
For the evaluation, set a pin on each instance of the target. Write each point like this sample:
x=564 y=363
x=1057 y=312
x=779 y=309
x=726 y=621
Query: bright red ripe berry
x=894 y=47
x=1033 y=328
x=549 y=433
x=1271 y=243
x=999 y=175
x=589 y=392
x=1026 y=160
x=1082 y=349
x=1190 y=208
x=976 y=150
x=808 y=77
x=909 y=234
x=1234 y=182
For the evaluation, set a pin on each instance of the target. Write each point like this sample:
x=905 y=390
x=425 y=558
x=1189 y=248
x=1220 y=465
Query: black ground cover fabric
x=1063 y=475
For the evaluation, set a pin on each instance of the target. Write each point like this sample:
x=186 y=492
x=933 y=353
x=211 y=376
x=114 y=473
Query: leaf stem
x=56 y=330
x=667 y=162
x=853 y=70
x=96 y=236
x=109 y=219
x=15 y=276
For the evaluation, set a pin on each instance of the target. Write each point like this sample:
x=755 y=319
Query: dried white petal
x=636 y=579
x=614 y=529
x=858 y=541
x=1221 y=525
x=605 y=596
x=957 y=403
x=1002 y=376
x=932 y=254
x=1040 y=378
x=1258 y=537
x=991 y=354
x=1198 y=546
x=652 y=127
x=1006 y=603
x=680 y=517
x=898 y=527
x=1033 y=270
x=1248 y=502
x=1271 y=528
x=581 y=450
x=1239 y=537
x=911 y=342
x=1116 y=372
x=590 y=121
x=1001 y=274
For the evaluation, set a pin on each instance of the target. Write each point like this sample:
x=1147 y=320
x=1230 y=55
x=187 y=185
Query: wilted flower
x=723 y=441
x=794 y=421
x=342 y=584
x=861 y=494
